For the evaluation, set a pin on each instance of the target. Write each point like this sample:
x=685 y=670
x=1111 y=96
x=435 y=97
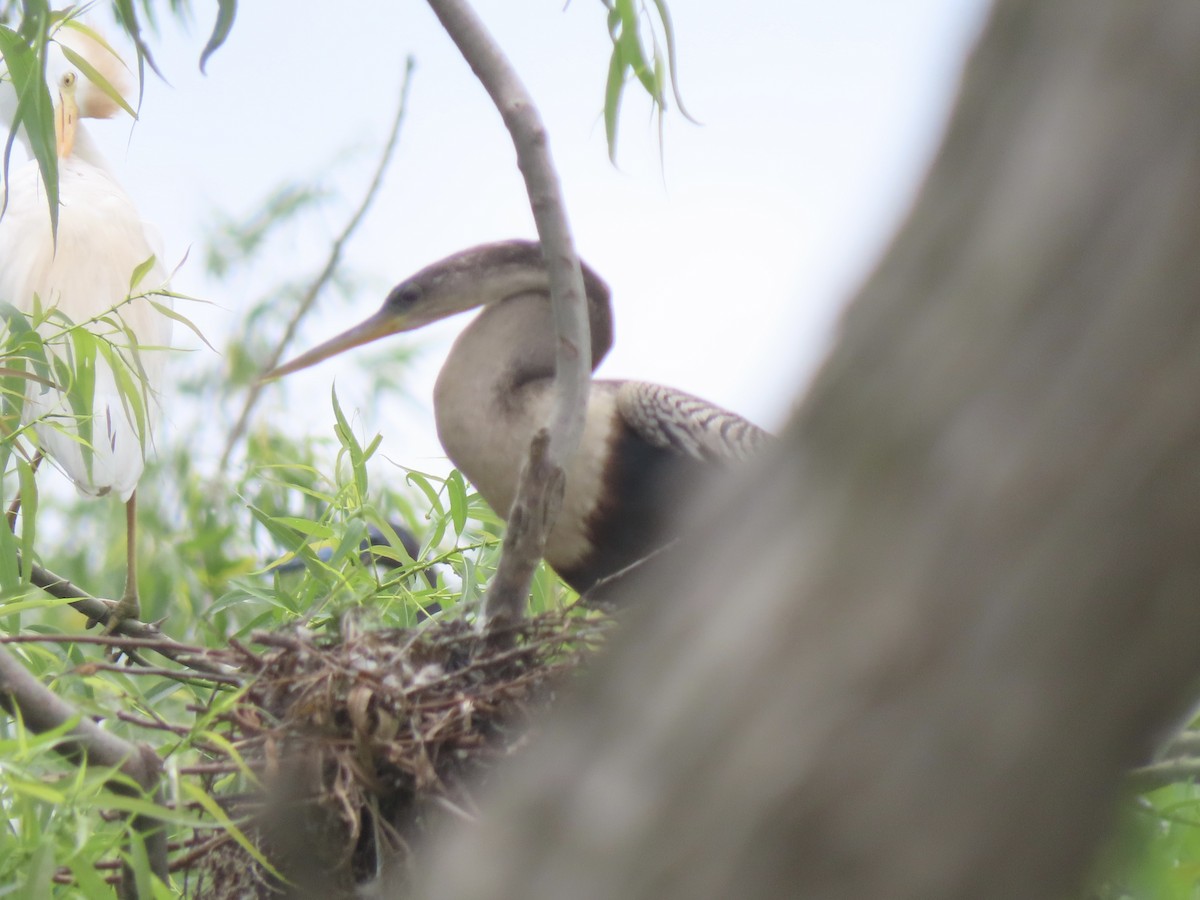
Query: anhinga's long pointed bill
x=377 y=326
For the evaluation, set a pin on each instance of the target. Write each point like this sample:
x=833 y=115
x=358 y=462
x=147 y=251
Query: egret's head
x=66 y=114
x=104 y=78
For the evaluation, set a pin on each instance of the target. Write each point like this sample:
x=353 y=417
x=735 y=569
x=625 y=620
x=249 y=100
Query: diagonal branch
x=99 y=611
x=331 y=265
x=539 y=492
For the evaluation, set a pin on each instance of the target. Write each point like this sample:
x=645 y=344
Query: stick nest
x=346 y=747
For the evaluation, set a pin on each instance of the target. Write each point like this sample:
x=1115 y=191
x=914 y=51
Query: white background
x=729 y=257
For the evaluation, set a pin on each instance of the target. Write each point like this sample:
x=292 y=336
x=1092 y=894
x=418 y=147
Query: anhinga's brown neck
x=494 y=390
x=644 y=448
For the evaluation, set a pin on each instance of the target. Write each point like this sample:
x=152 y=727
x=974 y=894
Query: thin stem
x=327 y=273
x=99 y=611
x=539 y=492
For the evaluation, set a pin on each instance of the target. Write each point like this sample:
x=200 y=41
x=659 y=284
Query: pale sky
x=728 y=262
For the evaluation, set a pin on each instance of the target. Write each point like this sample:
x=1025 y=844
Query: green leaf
x=131 y=389
x=128 y=18
x=87 y=880
x=664 y=16
x=70 y=21
x=613 y=89
x=139 y=862
x=38 y=601
x=10 y=574
x=183 y=320
x=140 y=272
x=94 y=76
x=631 y=49
x=211 y=807
x=37 y=789
x=456 y=488
x=425 y=487
x=307 y=527
x=626 y=29
x=352 y=538
x=40 y=871
x=226 y=12
x=345 y=435
x=26 y=62
x=29 y=509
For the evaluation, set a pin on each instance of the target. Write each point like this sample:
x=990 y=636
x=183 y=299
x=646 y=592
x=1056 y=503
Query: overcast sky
x=728 y=260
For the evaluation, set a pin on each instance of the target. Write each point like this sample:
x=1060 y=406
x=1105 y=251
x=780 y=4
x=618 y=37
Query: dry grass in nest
x=355 y=742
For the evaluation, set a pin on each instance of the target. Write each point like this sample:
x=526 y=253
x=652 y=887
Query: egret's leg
x=128 y=607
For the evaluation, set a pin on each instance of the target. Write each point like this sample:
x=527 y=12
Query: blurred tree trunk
x=968 y=586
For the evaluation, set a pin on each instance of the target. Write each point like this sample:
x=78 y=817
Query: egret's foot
x=127 y=607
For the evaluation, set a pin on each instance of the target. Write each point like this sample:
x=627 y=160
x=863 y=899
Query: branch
x=539 y=493
x=1172 y=771
x=327 y=273
x=1186 y=743
x=41 y=710
x=98 y=611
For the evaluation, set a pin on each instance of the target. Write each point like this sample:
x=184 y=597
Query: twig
x=184 y=677
x=142 y=722
x=539 y=493
x=1156 y=775
x=203 y=849
x=1186 y=743
x=210 y=768
x=106 y=640
x=327 y=273
x=42 y=710
x=98 y=611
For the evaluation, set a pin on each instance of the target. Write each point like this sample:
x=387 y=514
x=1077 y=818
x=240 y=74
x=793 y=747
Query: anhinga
x=644 y=447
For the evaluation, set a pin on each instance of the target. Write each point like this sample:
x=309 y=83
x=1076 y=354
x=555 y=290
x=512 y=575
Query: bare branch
x=539 y=495
x=540 y=492
x=326 y=275
x=1160 y=774
x=99 y=611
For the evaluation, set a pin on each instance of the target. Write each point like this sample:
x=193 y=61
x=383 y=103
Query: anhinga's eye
x=404 y=295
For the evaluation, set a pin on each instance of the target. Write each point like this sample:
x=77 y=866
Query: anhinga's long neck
x=643 y=448
x=495 y=387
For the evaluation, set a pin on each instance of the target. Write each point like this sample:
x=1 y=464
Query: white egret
x=98 y=438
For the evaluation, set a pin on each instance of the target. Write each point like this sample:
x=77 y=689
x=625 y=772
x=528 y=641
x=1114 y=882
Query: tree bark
x=969 y=579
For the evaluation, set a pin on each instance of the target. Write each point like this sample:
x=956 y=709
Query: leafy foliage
x=630 y=26
x=274 y=539
x=24 y=52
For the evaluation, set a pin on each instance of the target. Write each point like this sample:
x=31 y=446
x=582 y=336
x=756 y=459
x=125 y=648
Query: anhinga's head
x=480 y=276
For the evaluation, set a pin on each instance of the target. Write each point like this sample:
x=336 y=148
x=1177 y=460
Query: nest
x=348 y=749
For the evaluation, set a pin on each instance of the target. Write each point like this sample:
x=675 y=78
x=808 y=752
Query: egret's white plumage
x=85 y=275
x=101 y=242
